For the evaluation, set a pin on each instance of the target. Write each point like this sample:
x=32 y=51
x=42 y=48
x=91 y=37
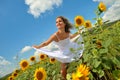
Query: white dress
x=66 y=50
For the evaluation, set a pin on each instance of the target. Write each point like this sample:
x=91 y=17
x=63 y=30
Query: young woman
x=62 y=39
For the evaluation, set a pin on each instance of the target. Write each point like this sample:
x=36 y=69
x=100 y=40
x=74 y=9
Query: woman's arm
x=45 y=43
x=75 y=34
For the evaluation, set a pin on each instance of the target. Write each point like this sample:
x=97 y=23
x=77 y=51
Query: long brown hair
x=68 y=25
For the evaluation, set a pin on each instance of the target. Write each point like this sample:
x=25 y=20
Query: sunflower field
x=100 y=59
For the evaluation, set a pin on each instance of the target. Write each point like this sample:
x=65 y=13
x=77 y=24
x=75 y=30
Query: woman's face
x=59 y=23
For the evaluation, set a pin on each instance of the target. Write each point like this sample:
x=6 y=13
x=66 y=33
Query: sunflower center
x=15 y=74
x=99 y=43
x=24 y=64
x=87 y=25
x=42 y=56
x=102 y=7
x=16 y=71
x=78 y=21
x=32 y=59
x=39 y=75
x=53 y=59
x=11 y=78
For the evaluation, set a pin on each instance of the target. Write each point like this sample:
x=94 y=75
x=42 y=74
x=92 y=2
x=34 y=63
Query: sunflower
x=43 y=56
x=14 y=74
x=40 y=74
x=10 y=78
x=16 y=70
x=83 y=69
x=102 y=7
x=76 y=76
x=82 y=73
x=79 y=20
x=99 y=44
x=52 y=60
x=24 y=64
x=32 y=58
x=87 y=24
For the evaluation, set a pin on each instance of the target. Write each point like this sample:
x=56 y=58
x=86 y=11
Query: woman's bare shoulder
x=53 y=36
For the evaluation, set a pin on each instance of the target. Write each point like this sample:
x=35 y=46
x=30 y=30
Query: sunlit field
x=100 y=59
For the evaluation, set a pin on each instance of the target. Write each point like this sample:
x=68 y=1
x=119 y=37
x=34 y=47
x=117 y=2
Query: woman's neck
x=61 y=31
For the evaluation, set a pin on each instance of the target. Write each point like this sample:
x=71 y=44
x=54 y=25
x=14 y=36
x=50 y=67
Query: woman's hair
x=68 y=25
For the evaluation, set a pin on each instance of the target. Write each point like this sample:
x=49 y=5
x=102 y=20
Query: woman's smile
x=60 y=23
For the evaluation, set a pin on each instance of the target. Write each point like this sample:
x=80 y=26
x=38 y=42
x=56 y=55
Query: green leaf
x=86 y=57
x=95 y=70
x=116 y=61
x=107 y=42
x=90 y=76
x=96 y=63
x=106 y=66
x=103 y=51
x=116 y=74
x=69 y=76
x=118 y=57
x=53 y=73
x=101 y=73
x=95 y=52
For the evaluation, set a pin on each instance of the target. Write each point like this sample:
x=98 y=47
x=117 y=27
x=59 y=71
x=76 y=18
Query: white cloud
x=6 y=67
x=3 y=61
x=25 y=49
x=113 y=10
x=107 y=2
x=15 y=57
x=37 y=7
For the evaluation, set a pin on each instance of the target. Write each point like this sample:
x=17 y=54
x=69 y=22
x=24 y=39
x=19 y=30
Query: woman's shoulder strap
x=57 y=37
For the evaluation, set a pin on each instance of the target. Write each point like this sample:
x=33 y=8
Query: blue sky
x=27 y=22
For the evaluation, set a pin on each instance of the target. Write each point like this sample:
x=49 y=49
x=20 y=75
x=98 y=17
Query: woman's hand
x=37 y=47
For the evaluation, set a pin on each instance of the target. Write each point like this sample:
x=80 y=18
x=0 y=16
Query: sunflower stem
x=101 y=28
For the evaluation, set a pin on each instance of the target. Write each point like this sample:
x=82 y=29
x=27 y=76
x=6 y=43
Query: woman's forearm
x=42 y=45
x=74 y=35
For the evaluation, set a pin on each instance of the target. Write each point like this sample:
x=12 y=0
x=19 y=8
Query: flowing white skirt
x=74 y=54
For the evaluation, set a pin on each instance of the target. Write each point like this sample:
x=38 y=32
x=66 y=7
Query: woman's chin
x=59 y=27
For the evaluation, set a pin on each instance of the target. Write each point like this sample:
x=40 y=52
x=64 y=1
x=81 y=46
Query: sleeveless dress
x=66 y=50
